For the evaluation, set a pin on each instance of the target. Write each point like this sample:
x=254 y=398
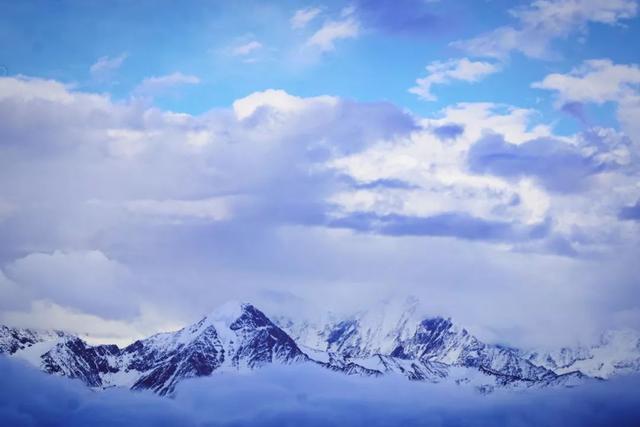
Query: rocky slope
x=391 y=340
x=617 y=352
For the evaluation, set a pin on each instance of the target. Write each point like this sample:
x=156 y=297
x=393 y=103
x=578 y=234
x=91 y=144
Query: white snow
x=33 y=354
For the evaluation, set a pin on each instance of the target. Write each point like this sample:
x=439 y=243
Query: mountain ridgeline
x=388 y=341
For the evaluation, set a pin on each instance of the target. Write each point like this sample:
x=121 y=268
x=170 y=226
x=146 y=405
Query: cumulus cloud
x=542 y=22
x=559 y=165
x=437 y=170
x=307 y=396
x=596 y=80
x=599 y=81
x=448 y=131
x=513 y=180
x=229 y=203
x=439 y=73
x=278 y=101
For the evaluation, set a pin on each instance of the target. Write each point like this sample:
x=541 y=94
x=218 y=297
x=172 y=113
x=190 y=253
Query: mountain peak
x=229 y=312
x=392 y=337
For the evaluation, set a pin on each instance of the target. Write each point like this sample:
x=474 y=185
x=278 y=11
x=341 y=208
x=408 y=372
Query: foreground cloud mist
x=293 y=396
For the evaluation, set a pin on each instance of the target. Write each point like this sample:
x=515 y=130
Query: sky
x=158 y=158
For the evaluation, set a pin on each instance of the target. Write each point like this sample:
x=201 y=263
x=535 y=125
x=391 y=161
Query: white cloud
x=446 y=72
x=154 y=85
x=106 y=64
x=439 y=173
x=44 y=314
x=439 y=179
x=246 y=48
x=29 y=89
x=85 y=280
x=542 y=22
x=325 y=38
x=279 y=161
x=278 y=100
x=599 y=81
x=302 y=17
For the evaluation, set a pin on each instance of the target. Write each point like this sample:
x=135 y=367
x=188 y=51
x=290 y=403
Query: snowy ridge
x=393 y=339
x=15 y=339
x=618 y=352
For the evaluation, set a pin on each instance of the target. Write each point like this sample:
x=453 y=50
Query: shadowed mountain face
x=239 y=337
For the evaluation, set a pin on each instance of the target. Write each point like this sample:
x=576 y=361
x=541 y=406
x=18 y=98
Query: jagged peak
x=229 y=312
x=37 y=331
x=233 y=315
x=623 y=337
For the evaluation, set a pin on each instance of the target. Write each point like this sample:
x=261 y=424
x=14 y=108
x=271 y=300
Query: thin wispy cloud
x=302 y=17
x=158 y=84
x=544 y=21
x=332 y=31
x=246 y=48
x=105 y=65
x=442 y=73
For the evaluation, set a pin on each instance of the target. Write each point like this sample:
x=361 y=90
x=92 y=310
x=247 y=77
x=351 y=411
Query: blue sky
x=166 y=156
x=63 y=39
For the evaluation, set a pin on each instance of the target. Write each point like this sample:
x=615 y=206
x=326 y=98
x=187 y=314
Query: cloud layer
x=165 y=215
x=290 y=395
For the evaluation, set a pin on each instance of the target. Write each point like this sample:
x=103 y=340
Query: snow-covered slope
x=617 y=352
x=393 y=339
x=398 y=330
x=13 y=340
x=234 y=337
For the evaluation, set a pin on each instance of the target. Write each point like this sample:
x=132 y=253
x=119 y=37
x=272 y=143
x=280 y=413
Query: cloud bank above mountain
x=164 y=215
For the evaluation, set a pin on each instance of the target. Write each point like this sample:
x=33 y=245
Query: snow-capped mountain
x=15 y=339
x=617 y=352
x=391 y=340
x=396 y=337
x=234 y=337
x=237 y=337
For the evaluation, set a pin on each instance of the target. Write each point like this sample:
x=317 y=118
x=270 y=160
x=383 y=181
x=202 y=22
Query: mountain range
x=390 y=340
